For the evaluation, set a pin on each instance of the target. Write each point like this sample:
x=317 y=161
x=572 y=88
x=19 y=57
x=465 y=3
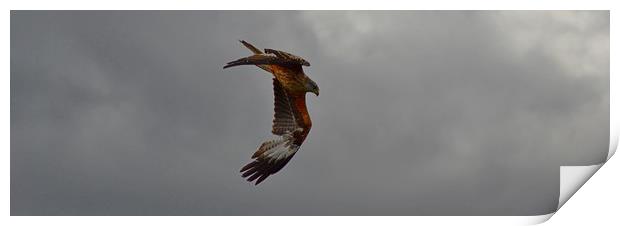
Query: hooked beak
x=316 y=92
x=312 y=87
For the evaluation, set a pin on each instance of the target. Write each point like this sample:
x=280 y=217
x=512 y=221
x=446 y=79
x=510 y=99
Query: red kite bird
x=291 y=123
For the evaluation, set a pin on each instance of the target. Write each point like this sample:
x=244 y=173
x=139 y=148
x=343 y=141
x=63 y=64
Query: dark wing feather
x=284 y=118
x=258 y=59
x=251 y=47
x=261 y=168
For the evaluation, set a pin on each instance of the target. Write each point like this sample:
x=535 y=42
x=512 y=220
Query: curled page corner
x=572 y=178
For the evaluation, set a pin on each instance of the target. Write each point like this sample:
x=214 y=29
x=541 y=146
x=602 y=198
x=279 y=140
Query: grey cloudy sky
x=420 y=113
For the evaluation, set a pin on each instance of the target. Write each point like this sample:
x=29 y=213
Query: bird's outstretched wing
x=291 y=125
x=269 y=57
x=260 y=59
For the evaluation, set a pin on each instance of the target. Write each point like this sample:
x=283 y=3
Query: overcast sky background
x=420 y=112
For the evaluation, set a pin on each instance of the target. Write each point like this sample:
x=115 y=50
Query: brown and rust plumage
x=291 y=123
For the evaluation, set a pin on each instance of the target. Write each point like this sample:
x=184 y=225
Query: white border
x=317 y=4
x=313 y=5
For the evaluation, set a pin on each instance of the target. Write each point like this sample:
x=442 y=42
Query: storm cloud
x=420 y=113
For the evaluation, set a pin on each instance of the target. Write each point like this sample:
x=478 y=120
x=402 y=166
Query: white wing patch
x=277 y=149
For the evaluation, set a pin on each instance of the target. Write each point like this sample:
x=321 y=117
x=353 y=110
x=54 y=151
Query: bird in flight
x=291 y=123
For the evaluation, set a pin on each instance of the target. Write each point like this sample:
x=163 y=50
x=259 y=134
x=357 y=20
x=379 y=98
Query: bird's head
x=312 y=87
